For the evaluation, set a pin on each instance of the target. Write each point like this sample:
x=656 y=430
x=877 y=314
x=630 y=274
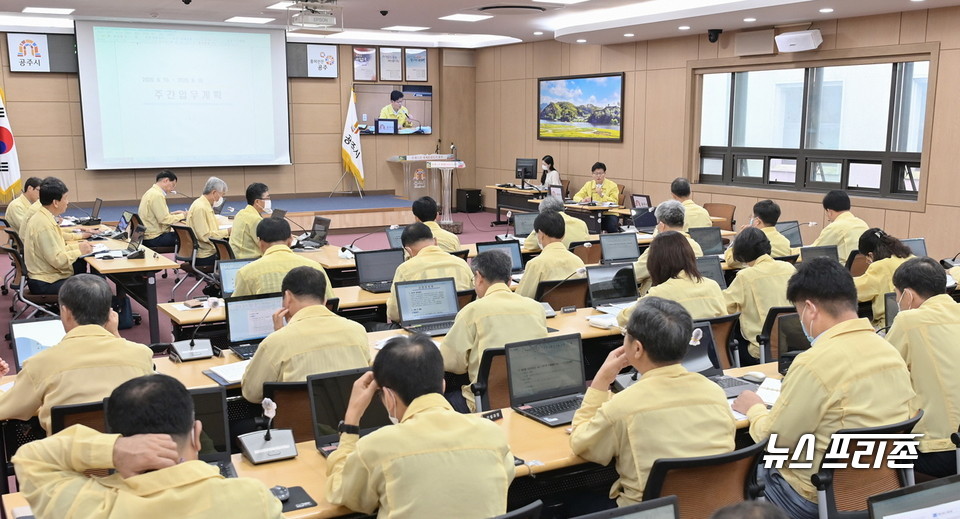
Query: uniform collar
x=497 y=287
x=23 y=198
x=557 y=245
x=939 y=300
x=48 y=214
x=159 y=190
x=89 y=330
x=252 y=210
x=277 y=249
x=432 y=225
x=846 y=215
x=182 y=475
x=431 y=250
x=766 y=258
x=850 y=326
x=311 y=311
x=425 y=403
x=672 y=370
x=202 y=200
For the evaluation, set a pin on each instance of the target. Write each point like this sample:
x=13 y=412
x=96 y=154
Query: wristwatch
x=343 y=428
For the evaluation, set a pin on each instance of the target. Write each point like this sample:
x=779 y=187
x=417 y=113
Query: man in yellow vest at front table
x=601 y=190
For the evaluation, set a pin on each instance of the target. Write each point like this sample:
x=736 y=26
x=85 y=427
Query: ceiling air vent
x=511 y=9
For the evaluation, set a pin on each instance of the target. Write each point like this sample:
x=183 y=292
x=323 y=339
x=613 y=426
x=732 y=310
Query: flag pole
x=350 y=150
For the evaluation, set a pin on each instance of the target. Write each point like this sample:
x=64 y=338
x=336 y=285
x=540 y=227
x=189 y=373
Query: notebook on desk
x=249 y=321
x=619 y=248
x=612 y=287
x=227 y=273
x=329 y=396
x=546 y=378
x=375 y=269
x=31 y=336
x=428 y=306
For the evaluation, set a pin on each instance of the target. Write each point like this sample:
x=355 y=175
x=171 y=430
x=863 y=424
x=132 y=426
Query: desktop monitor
x=250 y=318
x=31 y=336
x=527 y=169
x=918 y=246
x=791 y=231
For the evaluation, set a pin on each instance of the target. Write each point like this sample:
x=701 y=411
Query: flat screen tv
x=581 y=108
x=372 y=100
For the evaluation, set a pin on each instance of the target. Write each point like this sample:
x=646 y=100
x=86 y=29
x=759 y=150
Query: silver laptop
x=825 y=251
x=427 y=306
x=937 y=499
x=612 y=287
x=708 y=238
x=393 y=236
x=375 y=269
x=329 y=396
x=249 y=321
x=546 y=378
x=619 y=248
x=917 y=245
x=709 y=267
x=791 y=231
x=227 y=270
x=31 y=336
x=133 y=246
x=510 y=248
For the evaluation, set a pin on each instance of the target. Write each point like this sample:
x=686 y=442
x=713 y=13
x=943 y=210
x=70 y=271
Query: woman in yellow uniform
x=884 y=254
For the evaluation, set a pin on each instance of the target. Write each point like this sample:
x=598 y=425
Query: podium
x=446 y=168
x=416 y=181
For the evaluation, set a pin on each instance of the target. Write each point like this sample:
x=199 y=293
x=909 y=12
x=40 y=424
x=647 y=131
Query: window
x=857 y=126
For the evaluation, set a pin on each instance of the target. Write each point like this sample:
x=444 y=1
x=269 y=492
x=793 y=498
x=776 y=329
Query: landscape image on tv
x=581 y=108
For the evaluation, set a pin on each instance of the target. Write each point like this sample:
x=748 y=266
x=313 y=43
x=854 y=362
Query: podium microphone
x=347 y=252
x=193 y=349
x=579 y=272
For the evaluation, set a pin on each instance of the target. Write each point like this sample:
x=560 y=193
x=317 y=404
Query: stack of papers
x=231 y=373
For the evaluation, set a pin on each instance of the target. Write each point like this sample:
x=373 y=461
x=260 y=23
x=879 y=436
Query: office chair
x=491 y=388
x=186 y=255
x=769 y=338
x=465 y=297
x=39 y=302
x=725 y=211
x=589 y=252
x=722 y=328
x=224 y=250
x=293 y=408
x=531 y=511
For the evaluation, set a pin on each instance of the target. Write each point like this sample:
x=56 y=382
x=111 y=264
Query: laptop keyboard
x=377 y=286
x=725 y=381
x=226 y=468
x=557 y=407
x=245 y=351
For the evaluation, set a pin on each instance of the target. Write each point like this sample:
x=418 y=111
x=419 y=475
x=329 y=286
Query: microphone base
x=257 y=450
x=202 y=349
x=89 y=221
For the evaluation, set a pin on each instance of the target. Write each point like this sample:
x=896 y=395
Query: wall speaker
x=799 y=41
x=753 y=43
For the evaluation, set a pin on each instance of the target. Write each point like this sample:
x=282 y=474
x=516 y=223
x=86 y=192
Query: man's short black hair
x=599 y=165
x=750 y=244
x=88 y=297
x=922 y=275
x=680 y=187
x=425 y=209
x=305 y=282
x=414 y=233
x=33 y=182
x=51 y=190
x=494 y=265
x=825 y=282
x=750 y=510
x=255 y=192
x=396 y=95
x=411 y=366
x=273 y=230
x=663 y=327
x=767 y=211
x=551 y=224
x=166 y=174
x=836 y=200
x=151 y=404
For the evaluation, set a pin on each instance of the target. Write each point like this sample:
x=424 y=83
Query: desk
x=514 y=199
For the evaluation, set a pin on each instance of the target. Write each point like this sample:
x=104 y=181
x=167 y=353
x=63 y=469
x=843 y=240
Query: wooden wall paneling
x=511 y=130
x=547 y=57
x=26 y=86
x=38 y=152
x=319 y=178
x=828 y=30
x=868 y=31
x=280 y=179
x=618 y=58
x=584 y=59
x=897 y=223
x=942 y=27
x=488 y=64
x=913 y=26
x=109 y=185
x=935 y=226
x=672 y=52
x=513 y=62
x=488 y=124
x=707 y=50
x=663 y=140
x=941 y=160
x=41 y=118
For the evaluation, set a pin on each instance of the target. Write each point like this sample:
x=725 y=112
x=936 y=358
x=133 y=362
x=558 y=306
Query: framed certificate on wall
x=415 y=61
x=391 y=64
x=364 y=64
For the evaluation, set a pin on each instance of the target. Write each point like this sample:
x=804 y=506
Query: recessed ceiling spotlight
x=538 y=33
x=684 y=27
x=629 y=35
x=46 y=10
x=403 y=28
x=826 y=10
x=748 y=20
x=581 y=41
x=466 y=17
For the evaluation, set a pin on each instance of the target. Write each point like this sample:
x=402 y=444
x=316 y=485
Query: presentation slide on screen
x=157 y=95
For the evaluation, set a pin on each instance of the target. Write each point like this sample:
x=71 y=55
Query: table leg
x=152 y=308
x=498 y=221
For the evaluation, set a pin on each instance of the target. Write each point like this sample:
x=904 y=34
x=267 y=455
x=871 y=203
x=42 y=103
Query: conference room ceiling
x=589 y=21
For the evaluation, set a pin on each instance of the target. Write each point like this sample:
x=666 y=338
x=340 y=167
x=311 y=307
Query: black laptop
x=709 y=266
x=375 y=269
x=393 y=236
x=644 y=219
x=791 y=231
x=29 y=337
x=619 y=248
x=94 y=218
x=329 y=396
x=133 y=245
x=825 y=251
x=318 y=237
x=428 y=306
x=937 y=499
x=279 y=214
x=612 y=287
x=546 y=378
x=708 y=238
x=249 y=321
x=510 y=248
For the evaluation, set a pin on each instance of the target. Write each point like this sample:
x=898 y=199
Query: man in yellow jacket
x=425 y=210
x=601 y=190
x=155 y=214
x=243 y=235
x=204 y=223
x=17 y=209
x=844 y=229
x=696 y=216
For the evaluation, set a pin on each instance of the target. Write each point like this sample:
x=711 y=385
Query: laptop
x=791 y=341
x=249 y=321
x=121 y=230
x=660 y=508
x=556 y=191
x=641 y=201
x=709 y=239
x=279 y=214
x=937 y=499
x=644 y=220
x=29 y=337
x=709 y=267
x=612 y=287
x=917 y=245
x=546 y=378
x=329 y=396
x=94 y=218
x=791 y=231
x=890 y=307
x=375 y=269
x=619 y=248
x=511 y=248
x=227 y=270
x=427 y=306
x=317 y=238
x=522 y=227
x=393 y=236
x=133 y=245
x=826 y=251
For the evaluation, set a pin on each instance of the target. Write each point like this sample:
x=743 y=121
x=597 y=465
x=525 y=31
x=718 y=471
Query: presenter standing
x=396 y=110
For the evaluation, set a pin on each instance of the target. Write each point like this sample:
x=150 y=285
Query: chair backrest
x=588 y=251
x=333 y=304
x=724 y=211
x=621 y=198
x=857 y=263
x=16 y=433
x=531 y=511
x=572 y=292
x=462 y=254
x=19 y=268
x=224 y=250
x=89 y=414
x=769 y=338
x=722 y=328
x=792 y=259
x=845 y=491
x=187 y=245
x=706 y=483
x=621 y=188
x=293 y=403
x=465 y=297
x=491 y=388
x=566 y=187
x=15 y=241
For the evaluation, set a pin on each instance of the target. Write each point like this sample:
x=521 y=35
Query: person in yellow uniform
x=314 y=339
x=204 y=223
x=427 y=261
x=844 y=229
x=757 y=288
x=72 y=235
x=670 y=217
x=155 y=451
x=155 y=214
x=849 y=378
x=497 y=317
x=668 y=413
x=556 y=262
x=675 y=276
x=435 y=462
x=601 y=190
x=925 y=333
x=17 y=209
x=575 y=228
x=396 y=110
x=425 y=211
x=696 y=216
x=49 y=260
x=243 y=236
x=85 y=366
x=265 y=275
x=884 y=254
x=766 y=213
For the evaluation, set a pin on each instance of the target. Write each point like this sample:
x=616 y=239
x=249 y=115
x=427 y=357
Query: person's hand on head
x=616 y=360
x=745 y=401
x=137 y=454
x=278 y=318
x=362 y=394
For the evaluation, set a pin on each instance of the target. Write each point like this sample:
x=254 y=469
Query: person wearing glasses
x=396 y=110
x=600 y=190
x=243 y=239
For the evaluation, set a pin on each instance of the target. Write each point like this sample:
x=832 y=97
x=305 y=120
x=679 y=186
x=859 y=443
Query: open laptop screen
x=426 y=300
x=31 y=336
x=228 y=274
x=136 y=238
x=643 y=218
x=890 y=307
x=523 y=223
x=708 y=238
x=97 y=204
x=937 y=499
x=250 y=318
x=329 y=396
x=393 y=236
x=378 y=265
x=827 y=251
x=641 y=201
x=512 y=248
x=620 y=246
x=545 y=368
x=709 y=267
x=612 y=284
x=917 y=245
x=791 y=231
x=321 y=226
x=556 y=191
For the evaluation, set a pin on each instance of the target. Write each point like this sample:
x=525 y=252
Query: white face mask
x=545 y=167
x=393 y=419
x=218 y=203
x=267 y=206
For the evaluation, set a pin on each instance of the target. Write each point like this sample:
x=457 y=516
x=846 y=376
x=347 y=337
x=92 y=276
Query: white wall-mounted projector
x=799 y=41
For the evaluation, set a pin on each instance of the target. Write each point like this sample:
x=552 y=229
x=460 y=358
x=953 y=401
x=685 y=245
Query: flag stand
x=339 y=182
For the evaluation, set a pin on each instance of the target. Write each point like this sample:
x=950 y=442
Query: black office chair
x=531 y=511
x=89 y=414
x=491 y=389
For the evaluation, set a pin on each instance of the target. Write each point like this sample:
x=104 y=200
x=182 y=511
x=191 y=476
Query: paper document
x=769 y=391
x=232 y=372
